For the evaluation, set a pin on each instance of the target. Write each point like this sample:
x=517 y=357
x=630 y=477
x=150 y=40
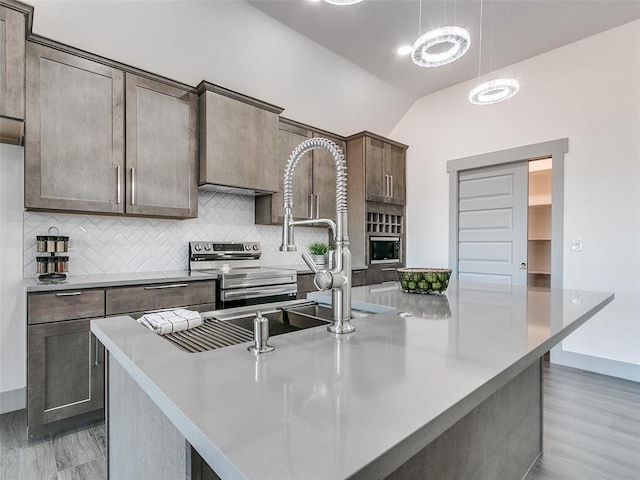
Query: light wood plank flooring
x=591 y=427
x=77 y=454
x=591 y=432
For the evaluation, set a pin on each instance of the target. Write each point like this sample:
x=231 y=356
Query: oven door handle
x=246 y=293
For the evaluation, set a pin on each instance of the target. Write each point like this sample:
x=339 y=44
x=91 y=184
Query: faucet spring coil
x=340 y=165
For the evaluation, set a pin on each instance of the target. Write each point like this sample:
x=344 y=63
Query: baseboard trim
x=12 y=400
x=605 y=366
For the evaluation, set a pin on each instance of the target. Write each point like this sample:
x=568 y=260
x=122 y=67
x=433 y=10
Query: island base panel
x=141 y=441
x=499 y=439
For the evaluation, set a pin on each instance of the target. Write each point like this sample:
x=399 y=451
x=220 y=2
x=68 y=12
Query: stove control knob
x=256 y=247
x=207 y=247
x=247 y=247
x=197 y=247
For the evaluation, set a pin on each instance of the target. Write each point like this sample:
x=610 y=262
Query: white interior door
x=492 y=224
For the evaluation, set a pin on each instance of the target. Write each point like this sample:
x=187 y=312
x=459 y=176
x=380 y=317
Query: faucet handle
x=310 y=263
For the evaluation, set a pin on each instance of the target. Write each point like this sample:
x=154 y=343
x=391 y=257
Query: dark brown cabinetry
x=75 y=144
x=306 y=285
x=65 y=362
x=379 y=274
x=238 y=140
x=314 y=178
x=384 y=167
x=376 y=196
x=13 y=17
x=65 y=373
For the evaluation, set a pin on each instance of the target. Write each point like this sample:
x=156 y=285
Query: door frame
x=536 y=151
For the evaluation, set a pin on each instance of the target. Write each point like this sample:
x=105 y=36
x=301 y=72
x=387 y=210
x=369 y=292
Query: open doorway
x=539 y=223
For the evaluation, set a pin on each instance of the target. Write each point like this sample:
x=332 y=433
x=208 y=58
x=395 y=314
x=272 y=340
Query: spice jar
x=60 y=244
x=41 y=264
x=51 y=265
x=41 y=243
x=51 y=244
x=61 y=264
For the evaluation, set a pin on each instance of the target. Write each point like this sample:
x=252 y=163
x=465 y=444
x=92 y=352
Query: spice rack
x=52 y=266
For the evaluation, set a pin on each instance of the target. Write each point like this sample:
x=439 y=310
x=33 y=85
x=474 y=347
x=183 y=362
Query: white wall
x=588 y=91
x=229 y=43
x=12 y=296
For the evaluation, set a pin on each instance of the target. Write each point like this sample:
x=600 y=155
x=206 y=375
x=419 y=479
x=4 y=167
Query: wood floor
x=77 y=454
x=591 y=432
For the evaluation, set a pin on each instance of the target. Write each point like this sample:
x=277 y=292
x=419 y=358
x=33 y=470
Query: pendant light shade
x=428 y=50
x=342 y=2
x=494 y=91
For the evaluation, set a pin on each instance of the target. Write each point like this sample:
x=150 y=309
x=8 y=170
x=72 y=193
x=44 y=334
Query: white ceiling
x=368 y=33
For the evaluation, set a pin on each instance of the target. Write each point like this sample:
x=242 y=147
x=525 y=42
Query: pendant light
x=499 y=89
x=426 y=50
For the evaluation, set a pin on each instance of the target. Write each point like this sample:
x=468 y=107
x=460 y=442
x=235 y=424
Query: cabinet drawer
x=66 y=305
x=158 y=296
x=358 y=278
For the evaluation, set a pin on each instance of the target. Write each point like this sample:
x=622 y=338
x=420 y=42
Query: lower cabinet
x=65 y=362
x=306 y=285
x=379 y=274
x=65 y=372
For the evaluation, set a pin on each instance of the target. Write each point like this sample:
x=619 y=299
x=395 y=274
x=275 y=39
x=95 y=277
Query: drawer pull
x=387 y=269
x=68 y=294
x=175 y=285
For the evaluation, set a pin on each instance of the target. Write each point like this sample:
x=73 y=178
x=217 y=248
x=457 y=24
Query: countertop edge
x=154 y=278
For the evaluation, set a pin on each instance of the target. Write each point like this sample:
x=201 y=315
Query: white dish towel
x=171 y=320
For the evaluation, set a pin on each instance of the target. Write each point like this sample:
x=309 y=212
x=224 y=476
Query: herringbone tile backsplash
x=105 y=244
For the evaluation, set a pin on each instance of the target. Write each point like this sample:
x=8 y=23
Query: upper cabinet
x=238 y=141
x=314 y=178
x=384 y=166
x=13 y=25
x=75 y=142
x=162 y=149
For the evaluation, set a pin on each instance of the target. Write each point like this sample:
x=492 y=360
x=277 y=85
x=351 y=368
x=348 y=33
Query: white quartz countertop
x=113 y=280
x=358 y=406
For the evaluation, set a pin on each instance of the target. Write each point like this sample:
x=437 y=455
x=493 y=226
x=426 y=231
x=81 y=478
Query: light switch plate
x=576 y=244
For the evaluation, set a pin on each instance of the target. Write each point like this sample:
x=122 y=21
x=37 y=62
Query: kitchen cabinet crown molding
x=205 y=86
x=47 y=42
x=366 y=133
x=318 y=131
x=23 y=8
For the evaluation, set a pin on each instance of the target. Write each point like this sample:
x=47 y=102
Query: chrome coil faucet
x=338 y=279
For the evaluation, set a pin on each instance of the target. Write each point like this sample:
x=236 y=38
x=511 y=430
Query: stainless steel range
x=241 y=278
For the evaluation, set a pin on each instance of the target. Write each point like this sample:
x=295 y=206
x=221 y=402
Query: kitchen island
x=447 y=386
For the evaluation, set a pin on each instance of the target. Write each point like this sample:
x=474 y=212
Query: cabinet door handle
x=387 y=269
x=68 y=294
x=133 y=186
x=97 y=360
x=386 y=185
x=118 y=186
x=310 y=206
x=523 y=266
x=391 y=185
x=174 y=285
x=317 y=206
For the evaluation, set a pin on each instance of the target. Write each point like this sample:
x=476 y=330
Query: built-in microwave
x=384 y=250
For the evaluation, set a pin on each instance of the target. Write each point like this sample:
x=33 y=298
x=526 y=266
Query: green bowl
x=424 y=280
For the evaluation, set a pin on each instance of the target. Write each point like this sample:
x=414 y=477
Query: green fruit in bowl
x=412 y=285
x=443 y=276
x=430 y=277
x=405 y=276
x=436 y=286
x=404 y=284
x=422 y=285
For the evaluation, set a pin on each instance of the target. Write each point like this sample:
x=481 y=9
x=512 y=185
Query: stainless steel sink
x=282 y=321
x=320 y=312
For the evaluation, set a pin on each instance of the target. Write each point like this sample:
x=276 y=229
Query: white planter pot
x=318 y=260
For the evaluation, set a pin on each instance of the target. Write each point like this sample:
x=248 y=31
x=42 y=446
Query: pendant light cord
x=480 y=43
x=420 y=19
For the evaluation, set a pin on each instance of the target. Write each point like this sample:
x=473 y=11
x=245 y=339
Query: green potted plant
x=318 y=250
